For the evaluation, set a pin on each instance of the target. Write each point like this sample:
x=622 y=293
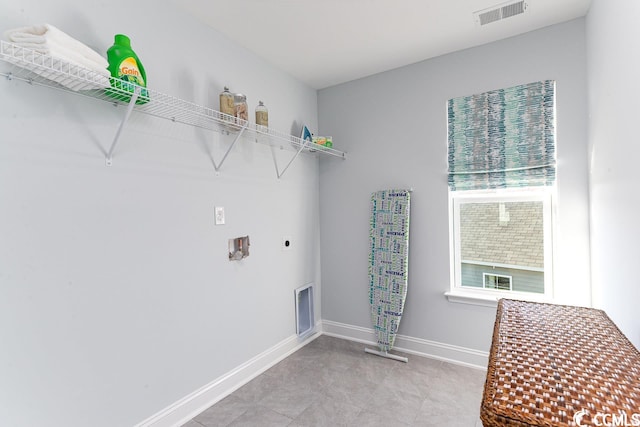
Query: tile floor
x=333 y=382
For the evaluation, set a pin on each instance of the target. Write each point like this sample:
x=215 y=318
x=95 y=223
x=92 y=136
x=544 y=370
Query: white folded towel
x=80 y=67
x=63 y=72
x=49 y=40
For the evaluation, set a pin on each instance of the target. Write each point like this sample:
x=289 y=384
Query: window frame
x=489 y=297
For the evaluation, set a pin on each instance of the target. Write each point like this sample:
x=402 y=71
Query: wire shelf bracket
x=116 y=138
x=238 y=135
x=302 y=146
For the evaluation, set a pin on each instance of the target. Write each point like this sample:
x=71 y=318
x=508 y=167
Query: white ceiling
x=327 y=42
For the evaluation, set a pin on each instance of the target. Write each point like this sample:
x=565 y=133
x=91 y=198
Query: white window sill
x=473 y=299
x=485 y=299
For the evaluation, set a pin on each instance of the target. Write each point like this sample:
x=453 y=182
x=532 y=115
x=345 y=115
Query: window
x=501 y=148
x=501 y=243
x=497 y=281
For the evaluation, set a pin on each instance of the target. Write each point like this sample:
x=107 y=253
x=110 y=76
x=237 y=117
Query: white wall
x=116 y=295
x=614 y=87
x=394 y=127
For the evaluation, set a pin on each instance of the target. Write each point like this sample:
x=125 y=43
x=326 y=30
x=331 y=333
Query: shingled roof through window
x=513 y=238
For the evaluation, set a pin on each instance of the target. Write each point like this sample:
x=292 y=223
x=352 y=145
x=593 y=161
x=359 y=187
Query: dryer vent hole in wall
x=304 y=310
x=499 y=12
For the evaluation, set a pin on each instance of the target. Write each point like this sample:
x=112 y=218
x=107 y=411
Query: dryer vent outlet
x=305 y=319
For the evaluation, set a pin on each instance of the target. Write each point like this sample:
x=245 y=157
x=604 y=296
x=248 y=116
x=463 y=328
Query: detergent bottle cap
x=123 y=40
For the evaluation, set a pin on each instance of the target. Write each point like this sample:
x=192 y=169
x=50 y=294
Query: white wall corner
x=434 y=350
x=193 y=404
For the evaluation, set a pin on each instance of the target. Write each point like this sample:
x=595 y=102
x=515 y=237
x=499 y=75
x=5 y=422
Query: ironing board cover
x=388 y=262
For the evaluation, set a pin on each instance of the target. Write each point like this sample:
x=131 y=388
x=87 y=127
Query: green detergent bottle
x=127 y=70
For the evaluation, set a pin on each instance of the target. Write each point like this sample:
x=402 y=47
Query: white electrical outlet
x=286 y=243
x=219 y=215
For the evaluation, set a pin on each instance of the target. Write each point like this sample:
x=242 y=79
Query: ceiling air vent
x=499 y=12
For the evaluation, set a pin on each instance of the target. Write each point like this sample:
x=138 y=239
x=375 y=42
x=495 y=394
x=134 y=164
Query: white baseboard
x=189 y=406
x=418 y=346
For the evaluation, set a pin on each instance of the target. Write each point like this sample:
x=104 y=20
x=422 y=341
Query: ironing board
x=388 y=265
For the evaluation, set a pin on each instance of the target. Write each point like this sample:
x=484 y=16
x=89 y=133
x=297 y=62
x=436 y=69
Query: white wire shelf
x=39 y=69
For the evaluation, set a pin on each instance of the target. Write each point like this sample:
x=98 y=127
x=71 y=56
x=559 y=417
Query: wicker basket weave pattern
x=548 y=362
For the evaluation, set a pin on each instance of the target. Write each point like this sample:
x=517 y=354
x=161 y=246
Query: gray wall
x=394 y=127
x=116 y=295
x=614 y=88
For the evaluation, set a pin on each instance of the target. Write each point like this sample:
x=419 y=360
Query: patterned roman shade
x=503 y=138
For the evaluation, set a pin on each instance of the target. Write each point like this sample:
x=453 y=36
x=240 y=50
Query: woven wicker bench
x=549 y=363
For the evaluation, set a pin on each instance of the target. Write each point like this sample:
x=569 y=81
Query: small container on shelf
x=262 y=115
x=320 y=140
x=241 y=110
x=227 y=105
